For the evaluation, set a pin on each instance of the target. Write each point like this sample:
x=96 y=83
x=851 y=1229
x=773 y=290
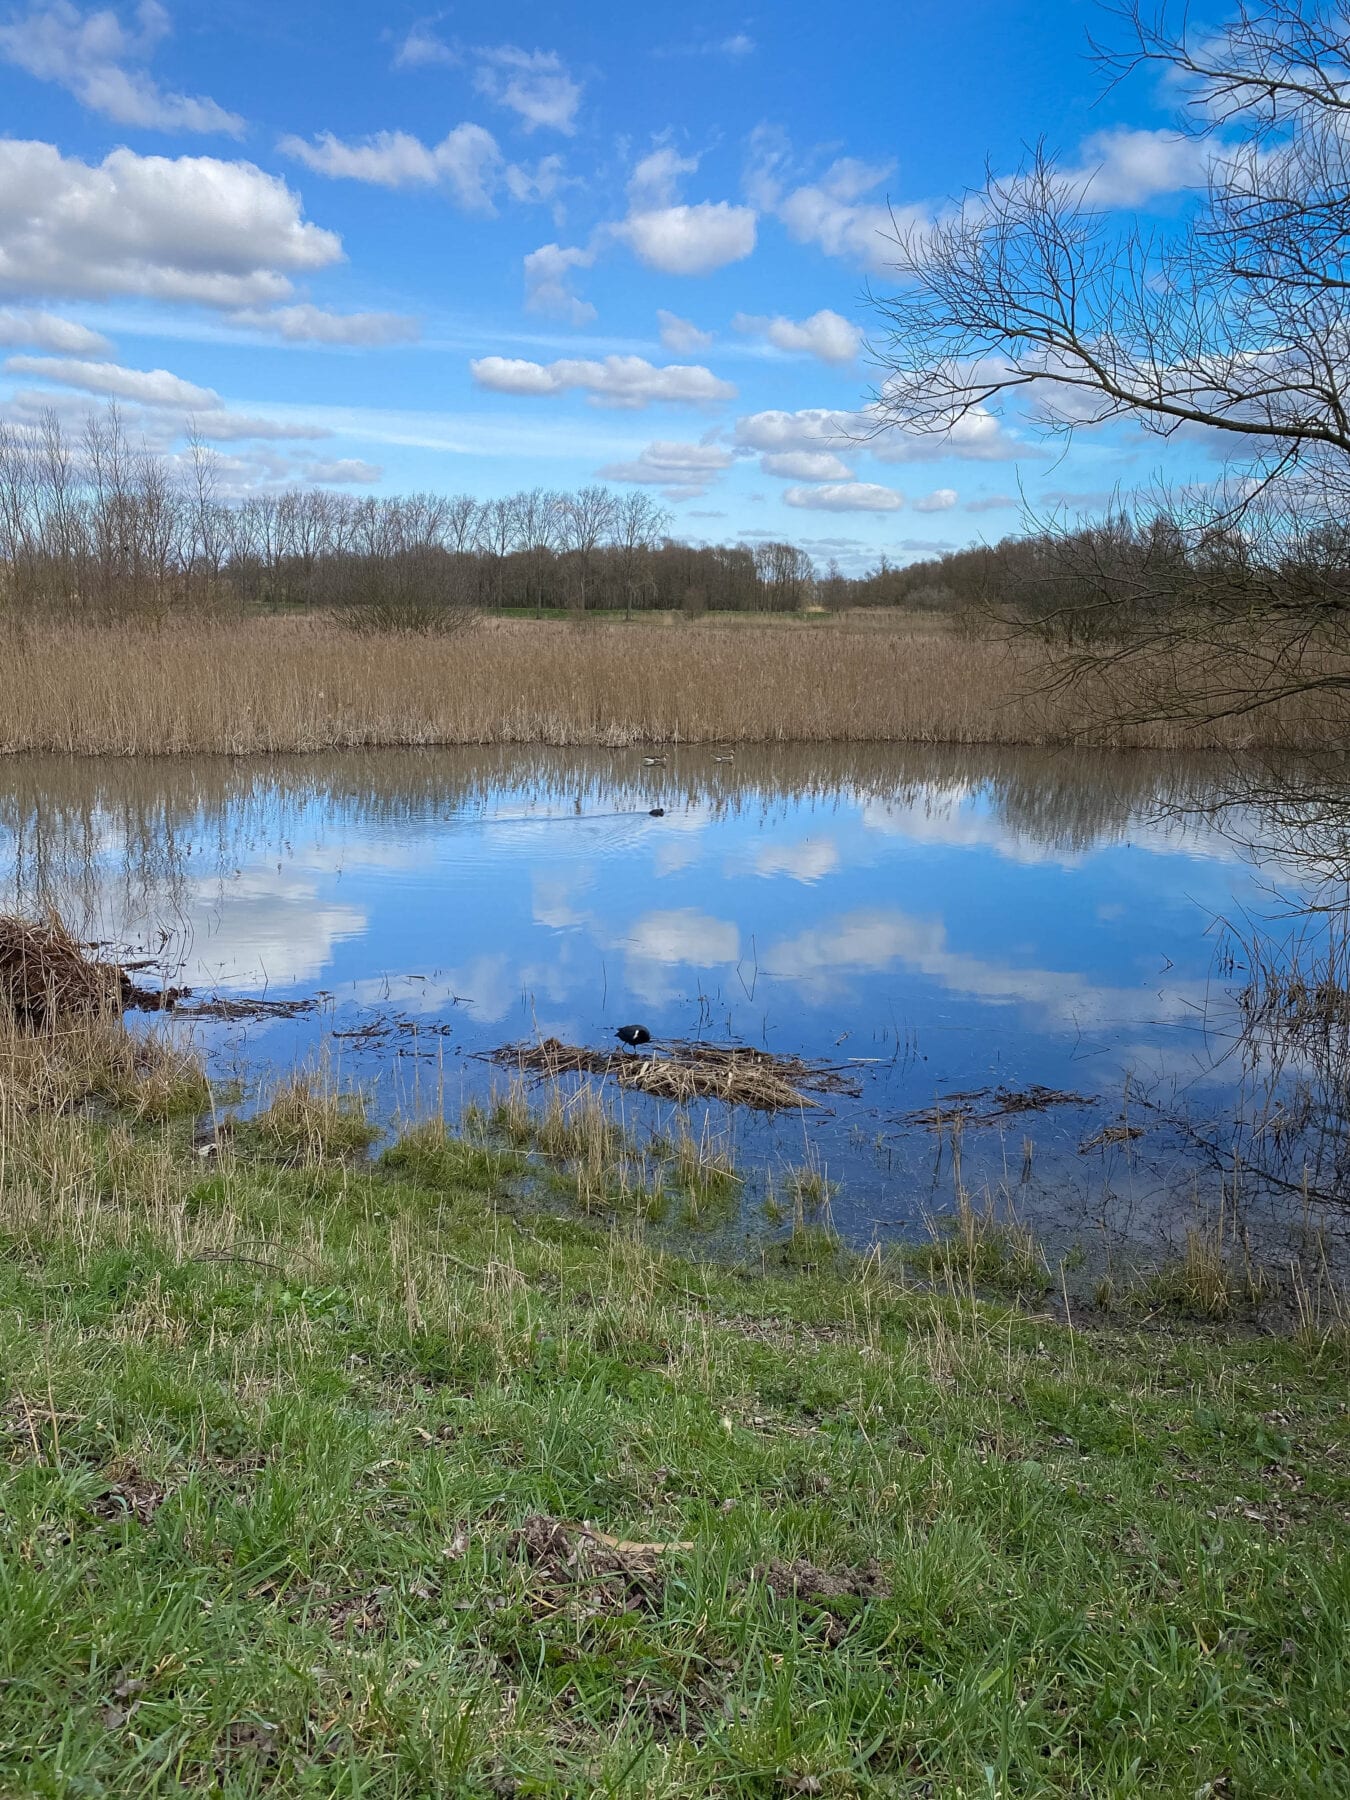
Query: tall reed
x=268 y=685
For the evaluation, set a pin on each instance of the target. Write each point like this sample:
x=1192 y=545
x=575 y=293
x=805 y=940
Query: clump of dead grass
x=310 y=1121
x=736 y=1074
x=47 y=977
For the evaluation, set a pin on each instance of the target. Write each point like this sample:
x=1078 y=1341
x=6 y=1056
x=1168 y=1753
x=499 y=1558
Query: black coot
x=633 y=1035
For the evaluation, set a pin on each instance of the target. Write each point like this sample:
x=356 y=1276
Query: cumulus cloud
x=148 y=387
x=940 y=500
x=826 y=334
x=307 y=324
x=979 y=437
x=548 y=282
x=680 y=335
x=841 y=214
x=23 y=325
x=466 y=161
x=623 y=381
x=189 y=228
x=806 y=465
x=684 y=936
x=1121 y=167
x=675 y=238
x=533 y=84
x=691 y=240
x=681 y=470
x=846 y=496
x=87 y=53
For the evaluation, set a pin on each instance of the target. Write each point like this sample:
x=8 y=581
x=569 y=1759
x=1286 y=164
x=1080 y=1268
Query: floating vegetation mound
x=46 y=976
x=736 y=1074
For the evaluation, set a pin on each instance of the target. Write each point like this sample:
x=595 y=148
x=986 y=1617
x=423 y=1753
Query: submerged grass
x=328 y=1476
x=261 y=685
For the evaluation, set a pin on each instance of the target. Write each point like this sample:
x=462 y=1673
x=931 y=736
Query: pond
x=943 y=927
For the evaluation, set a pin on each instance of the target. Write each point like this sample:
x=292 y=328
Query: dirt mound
x=569 y=1562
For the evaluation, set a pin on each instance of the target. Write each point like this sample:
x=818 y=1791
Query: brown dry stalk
x=284 y=684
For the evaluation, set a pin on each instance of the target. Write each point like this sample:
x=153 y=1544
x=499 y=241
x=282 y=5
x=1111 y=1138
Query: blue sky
x=483 y=248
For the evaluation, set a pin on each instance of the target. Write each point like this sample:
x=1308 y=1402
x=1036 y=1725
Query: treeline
x=1163 y=572
x=99 y=526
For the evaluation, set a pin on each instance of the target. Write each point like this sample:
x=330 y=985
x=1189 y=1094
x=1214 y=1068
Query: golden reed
x=246 y=687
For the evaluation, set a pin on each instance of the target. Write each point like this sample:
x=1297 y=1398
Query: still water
x=934 y=921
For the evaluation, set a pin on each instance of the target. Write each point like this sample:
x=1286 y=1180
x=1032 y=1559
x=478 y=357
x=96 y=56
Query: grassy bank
x=331 y=1477
x=270 y=685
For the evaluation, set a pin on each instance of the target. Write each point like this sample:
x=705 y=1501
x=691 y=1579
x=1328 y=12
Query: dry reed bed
x=272 y=685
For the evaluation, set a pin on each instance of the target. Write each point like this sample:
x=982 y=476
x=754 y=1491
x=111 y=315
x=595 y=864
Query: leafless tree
x=1236 y=324
x=639 y=524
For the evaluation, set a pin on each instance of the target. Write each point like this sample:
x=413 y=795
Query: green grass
x=271 y=1425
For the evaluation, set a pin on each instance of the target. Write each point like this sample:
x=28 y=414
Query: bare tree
x=587 y=520
x=639 y=525
x=1237 y=323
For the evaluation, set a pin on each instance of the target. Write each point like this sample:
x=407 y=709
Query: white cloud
x=466 y=161
x=837 y=214
x=806 y=861
x=680 y=335
x=306 y=324
x=684 y=936
x=682 y=470
x=675 y=238
x=842 y=213
x=655 y=179
x=533 y=84
x=691 y=240
x=740 y=44
x=846 y=496
x=977 y=437
x=1127 y=168
x=342 y=470
x=627 y=381
x=423 y=49
x=826 y=334
x=86 y=53
x=541 y=183
x=189 y=228
x=24 y=326
x=548 y=282
x=940 y=500
x=148 y=387
x=228 y=427
x=806 y=465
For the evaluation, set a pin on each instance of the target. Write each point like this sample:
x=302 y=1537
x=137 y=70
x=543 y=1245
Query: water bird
x=729 y=757
x=656 y=812
x=650 y=762
x=633 y=1035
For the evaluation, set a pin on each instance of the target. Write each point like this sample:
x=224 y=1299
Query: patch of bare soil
x=570 y=1565
x=131 y=1496
x=833 y=1596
